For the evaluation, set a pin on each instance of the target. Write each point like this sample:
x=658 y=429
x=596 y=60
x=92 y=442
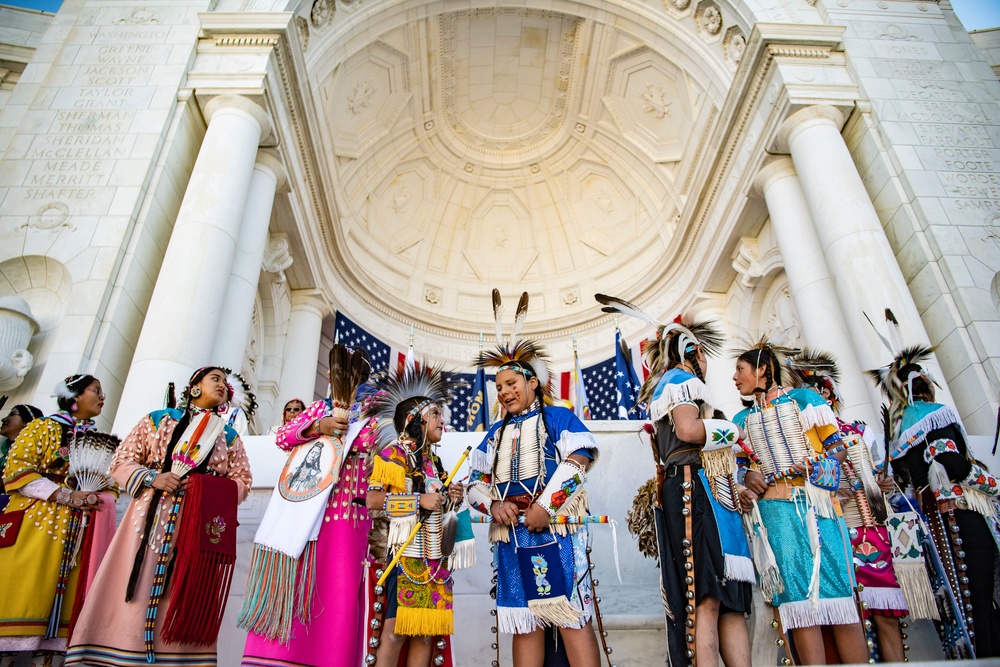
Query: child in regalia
x=530 y=468
x=406 y=487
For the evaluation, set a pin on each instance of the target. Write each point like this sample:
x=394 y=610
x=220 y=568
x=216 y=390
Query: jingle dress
x=929 y=448
x=526 y=456
x=722 y=568
x=37 y=463
x=110 y=630
x=423 y=599
x=785 y=513
x=335 y=635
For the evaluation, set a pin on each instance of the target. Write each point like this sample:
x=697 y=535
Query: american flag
x=602 y=390
x=458 y=410
x=350 y=334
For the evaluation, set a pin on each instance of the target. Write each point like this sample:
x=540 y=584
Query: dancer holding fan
x=40 y=527
x=305 y=598
x=161 y=591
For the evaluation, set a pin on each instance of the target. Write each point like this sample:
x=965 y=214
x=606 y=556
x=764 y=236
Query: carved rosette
x=708 y=18
x=322 y=12
x=17 y=326
x=733 y=46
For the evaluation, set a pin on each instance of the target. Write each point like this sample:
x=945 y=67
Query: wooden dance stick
x=413 y=533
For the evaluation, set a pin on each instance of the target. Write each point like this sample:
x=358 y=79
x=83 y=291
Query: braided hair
x=412 y=429
x=675 y=357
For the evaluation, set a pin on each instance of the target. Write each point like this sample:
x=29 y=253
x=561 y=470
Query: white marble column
x=182 y=321
x=811 y=285
x=866 y=275
x=301 y=358
x=237 y=310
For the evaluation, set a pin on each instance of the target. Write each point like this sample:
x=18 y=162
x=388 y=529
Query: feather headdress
x=680 y=334
x=890 y=379
x=515 y=349
x=816 y=368
x=240 y=395
x=429 y=384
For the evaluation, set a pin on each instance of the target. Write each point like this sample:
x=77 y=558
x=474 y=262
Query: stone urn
x=17 y=326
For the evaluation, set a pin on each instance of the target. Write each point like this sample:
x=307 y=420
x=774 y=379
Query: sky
x=974 y=14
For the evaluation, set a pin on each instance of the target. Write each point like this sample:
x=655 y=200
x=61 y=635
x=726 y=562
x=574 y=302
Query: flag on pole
x=478 y=416
x=626 y=381
x=581 y=406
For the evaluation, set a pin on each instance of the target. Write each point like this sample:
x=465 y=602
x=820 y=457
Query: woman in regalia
x=40 y=580
x=957 y=495
x=700 y=487
x=326 y=626
x=161 y=591
x=865 y=510
x=802 y=555
x=531 y=467
x=407 y=486
x=10 y=427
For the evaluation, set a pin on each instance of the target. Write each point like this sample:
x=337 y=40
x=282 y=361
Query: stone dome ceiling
x=518 y=148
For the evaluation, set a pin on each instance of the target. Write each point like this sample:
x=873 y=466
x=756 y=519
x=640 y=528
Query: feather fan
x=90 y=460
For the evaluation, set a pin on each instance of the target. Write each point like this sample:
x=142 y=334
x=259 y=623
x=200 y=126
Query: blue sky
x=974 y=14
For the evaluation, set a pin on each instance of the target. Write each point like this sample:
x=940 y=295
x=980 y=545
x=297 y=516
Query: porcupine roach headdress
x=818 y=369
x=677 y=334
x=896 y=387
x=427 y=384
x=524 y=351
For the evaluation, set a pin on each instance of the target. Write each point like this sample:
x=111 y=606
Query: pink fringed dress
x=335 y=636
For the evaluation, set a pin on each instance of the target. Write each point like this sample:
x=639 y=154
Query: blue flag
x=478 y=416
x=626 y=382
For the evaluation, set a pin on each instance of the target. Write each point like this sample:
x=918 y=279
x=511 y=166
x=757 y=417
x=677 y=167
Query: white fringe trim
x=829 y=611
x=884 y=598
x=463 y=556
x=673 y=394
x=912 y=577
x=816 y=415
x=570 y=441
x=480 y=460
x=740 y=568
x=399 y=529
x=516 y=620
x=980 y=502
x=937 y=419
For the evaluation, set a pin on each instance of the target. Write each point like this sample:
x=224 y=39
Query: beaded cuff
x=400 y=505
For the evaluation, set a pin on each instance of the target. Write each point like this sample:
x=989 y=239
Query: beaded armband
x=938 y=447
x=566 y=482
x=981 y=480
x=400 y=505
